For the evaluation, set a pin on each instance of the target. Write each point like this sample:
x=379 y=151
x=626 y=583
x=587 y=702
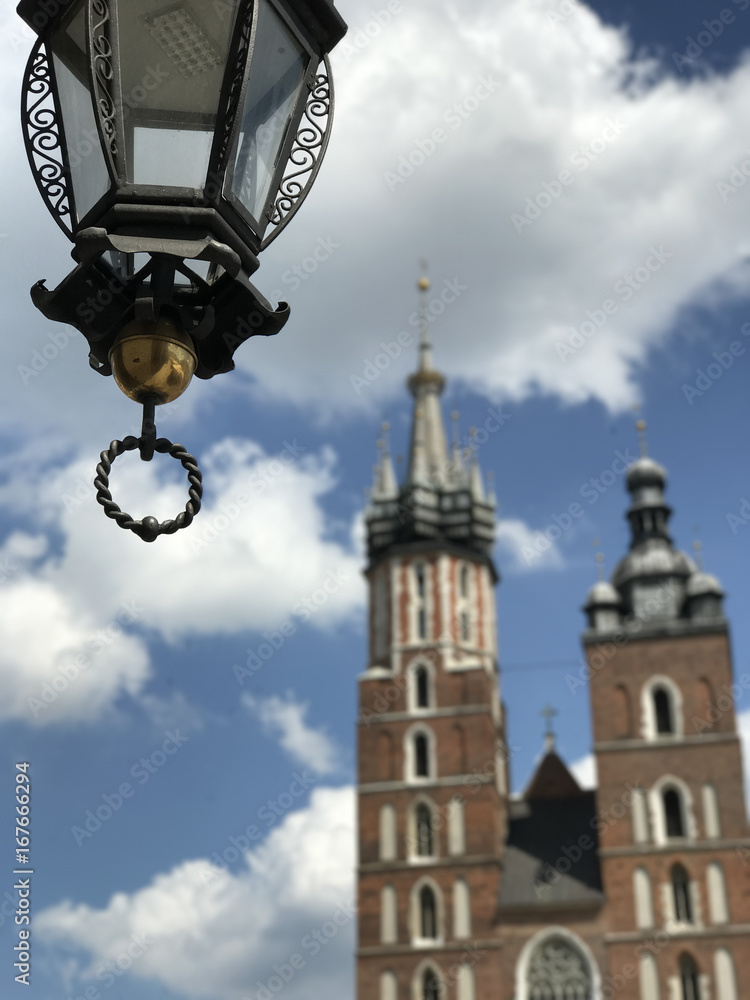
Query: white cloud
x=584 y=771
x=261 y=539
x=219 y=935
x=284 y=719
x=659 y=145
x=529 y=549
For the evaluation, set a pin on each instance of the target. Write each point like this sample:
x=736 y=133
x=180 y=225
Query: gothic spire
x=428 y=455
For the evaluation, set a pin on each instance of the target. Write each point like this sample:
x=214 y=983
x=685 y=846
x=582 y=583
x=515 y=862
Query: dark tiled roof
x=552 y=780
x=551 y=856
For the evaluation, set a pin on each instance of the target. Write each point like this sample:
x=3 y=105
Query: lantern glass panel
x=88 y=170
x=172 y=62
x=275 y=78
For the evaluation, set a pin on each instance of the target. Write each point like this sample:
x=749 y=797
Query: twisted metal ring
x=149 y=528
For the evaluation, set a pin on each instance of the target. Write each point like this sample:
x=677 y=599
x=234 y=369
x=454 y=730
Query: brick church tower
x=432 y=773
x=639 y=890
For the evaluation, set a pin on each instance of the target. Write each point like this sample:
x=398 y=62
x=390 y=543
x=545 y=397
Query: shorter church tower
x=432 y=771
x=673 y=828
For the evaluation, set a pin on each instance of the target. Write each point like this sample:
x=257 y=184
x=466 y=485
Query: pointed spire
x=428 y=459
x=476 y=484
x=491 y=496
x=384 y=486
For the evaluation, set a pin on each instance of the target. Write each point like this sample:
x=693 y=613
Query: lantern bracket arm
x=93 y=242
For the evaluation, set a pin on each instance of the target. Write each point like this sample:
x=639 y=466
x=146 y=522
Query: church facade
x=638 y=890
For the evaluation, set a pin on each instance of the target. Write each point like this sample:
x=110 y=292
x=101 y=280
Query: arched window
x=421 y=590
x=388 y=986
x=640 y=817
x=430 y=986
x=717 y=894
x=421 y=756
x=663 y=712
x=461 y=909
x=558 y=969
x=683 y=905
x=674 y=818
x=424 y=835
x=388 y=915
x=648 y=975
x=466 y=988
x=456 y=827
x=711 y=819
x=644 y=903
x=726 y=980
x=428 y=928
x=388 y=839
x=422 y=687
x=465 y=626
x=689 y=978
x=463 y=588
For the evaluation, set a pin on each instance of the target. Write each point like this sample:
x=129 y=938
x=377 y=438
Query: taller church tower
x=432 y=770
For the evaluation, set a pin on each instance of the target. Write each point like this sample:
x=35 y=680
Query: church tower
x=432 y=768
x=673 y=830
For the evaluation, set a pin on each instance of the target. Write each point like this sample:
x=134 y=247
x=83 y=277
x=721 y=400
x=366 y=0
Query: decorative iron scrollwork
x=307 y=153
x=44 y=139
x=233 y=94
x=101 y=58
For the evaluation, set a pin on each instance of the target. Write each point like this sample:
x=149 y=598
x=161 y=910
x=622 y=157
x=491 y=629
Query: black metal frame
x=299 y=159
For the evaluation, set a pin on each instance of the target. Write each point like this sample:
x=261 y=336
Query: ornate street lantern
x=160 y=134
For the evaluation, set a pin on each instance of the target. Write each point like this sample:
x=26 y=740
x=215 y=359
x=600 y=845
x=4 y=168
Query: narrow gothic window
x=427 y=913
x=673 y=814
x=430 y=986
x=558 y=969
x=421 y=624
x=663 y=712
x=683 y=907
x=465 y=631
x=424 y=831
x=421 y=756
x=464 y=585
x=423 y=688
x=689 y=979
x=419 y=575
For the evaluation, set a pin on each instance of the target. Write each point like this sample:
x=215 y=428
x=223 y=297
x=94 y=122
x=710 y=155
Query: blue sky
x=554 y=85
